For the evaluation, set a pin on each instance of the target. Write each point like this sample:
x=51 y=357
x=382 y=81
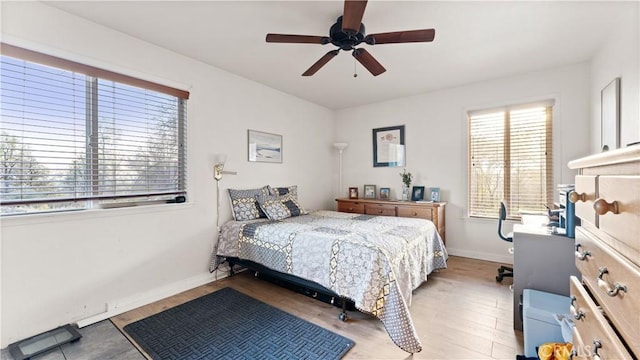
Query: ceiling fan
x=347 y=33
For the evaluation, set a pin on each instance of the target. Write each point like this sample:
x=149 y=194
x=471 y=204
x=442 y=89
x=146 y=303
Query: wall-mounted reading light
x=218 y=166
x=218 y=170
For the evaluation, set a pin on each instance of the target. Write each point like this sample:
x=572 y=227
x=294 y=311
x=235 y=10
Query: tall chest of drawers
x=605 y=299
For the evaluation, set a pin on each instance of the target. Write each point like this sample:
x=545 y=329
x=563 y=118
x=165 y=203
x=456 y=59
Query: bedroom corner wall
x=436 y=143
x=62 y=268
x=619 y=57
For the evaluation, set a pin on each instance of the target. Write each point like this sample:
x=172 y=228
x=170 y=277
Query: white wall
x=62 y=268
x=619 y=57
x=436 y=146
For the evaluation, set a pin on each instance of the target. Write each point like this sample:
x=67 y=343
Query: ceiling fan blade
x=368 y=61
x=297 y=39
x=352 y=15
x=320 y=63
x=425 y=35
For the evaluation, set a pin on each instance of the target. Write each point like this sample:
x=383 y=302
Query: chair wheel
x=343 y=316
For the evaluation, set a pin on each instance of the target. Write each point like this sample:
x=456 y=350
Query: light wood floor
x=459 y=313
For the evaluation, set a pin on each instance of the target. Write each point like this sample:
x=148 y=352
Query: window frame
x=94 y=74
x=512 y=213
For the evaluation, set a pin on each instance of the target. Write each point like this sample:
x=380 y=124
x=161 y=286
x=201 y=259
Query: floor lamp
x=340 y=146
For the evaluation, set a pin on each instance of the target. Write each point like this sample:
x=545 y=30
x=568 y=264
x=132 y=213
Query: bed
x=375 y=261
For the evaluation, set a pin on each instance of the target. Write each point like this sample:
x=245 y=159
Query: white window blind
x=73 y=141
x=510 y=158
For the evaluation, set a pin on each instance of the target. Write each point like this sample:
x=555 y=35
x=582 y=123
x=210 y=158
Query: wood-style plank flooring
x=459 y=313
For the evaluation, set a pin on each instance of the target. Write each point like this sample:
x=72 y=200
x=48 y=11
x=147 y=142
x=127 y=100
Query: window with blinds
x=510 y=158
x=73 y=140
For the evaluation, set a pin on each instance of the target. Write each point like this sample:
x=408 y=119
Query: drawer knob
x=574 y=197
x=601 y=206
x=415 y=213
x=604 y=285
x=581 y=255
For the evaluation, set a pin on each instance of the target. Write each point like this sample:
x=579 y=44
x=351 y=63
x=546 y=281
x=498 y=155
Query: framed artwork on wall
x=610 y=116
x=264 y=147
x=388 y=146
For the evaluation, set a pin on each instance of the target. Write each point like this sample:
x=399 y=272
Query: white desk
x=541 y=261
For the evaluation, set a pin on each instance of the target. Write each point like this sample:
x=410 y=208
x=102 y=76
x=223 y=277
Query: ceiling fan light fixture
x=349 y=32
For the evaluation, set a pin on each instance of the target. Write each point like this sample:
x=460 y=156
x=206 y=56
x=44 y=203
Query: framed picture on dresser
x=385 y=193
x=435 y=194
x=369 y=191
x=417 y=194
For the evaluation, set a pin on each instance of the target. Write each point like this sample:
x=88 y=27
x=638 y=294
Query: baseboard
x=503 y=259
x=126 y=304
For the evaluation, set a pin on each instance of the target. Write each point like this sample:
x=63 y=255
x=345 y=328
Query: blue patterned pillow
x=280 y=207
x=244 y=204
x=281 y=191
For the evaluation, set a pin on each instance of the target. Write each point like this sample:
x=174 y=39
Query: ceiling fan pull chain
x=355 y=68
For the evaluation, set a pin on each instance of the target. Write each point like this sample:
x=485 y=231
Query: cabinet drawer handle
x=574 y=197
x=605 y=286
x=380 y=211
x=582 y=256
x=415 y=213
x=573 y=354
x=579 y=313
x=597 y=344
x=601 y=206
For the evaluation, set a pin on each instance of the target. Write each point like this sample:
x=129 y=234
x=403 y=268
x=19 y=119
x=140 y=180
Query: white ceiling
x=475 y=41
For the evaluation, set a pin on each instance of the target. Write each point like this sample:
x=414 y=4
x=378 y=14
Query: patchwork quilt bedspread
x=376 y=261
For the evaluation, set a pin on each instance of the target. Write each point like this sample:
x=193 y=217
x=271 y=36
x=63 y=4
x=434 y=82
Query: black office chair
x=504 y=271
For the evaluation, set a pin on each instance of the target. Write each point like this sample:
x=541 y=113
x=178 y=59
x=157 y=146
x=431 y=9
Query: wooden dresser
x=429 y=211
x=605 y=300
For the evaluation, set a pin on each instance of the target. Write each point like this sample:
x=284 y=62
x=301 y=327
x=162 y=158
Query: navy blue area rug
x=227 y=324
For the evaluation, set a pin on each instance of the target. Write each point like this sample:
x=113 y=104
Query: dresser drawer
x=595 y=333
x=415 y=212
x=585 y=195
x=624 y=193
x=380 y=209
x=351 y=207
x=602 y=271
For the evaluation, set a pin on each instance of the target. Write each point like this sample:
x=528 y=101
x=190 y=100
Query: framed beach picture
x=264 y=147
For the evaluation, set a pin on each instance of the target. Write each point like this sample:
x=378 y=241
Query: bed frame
x=297 y=284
